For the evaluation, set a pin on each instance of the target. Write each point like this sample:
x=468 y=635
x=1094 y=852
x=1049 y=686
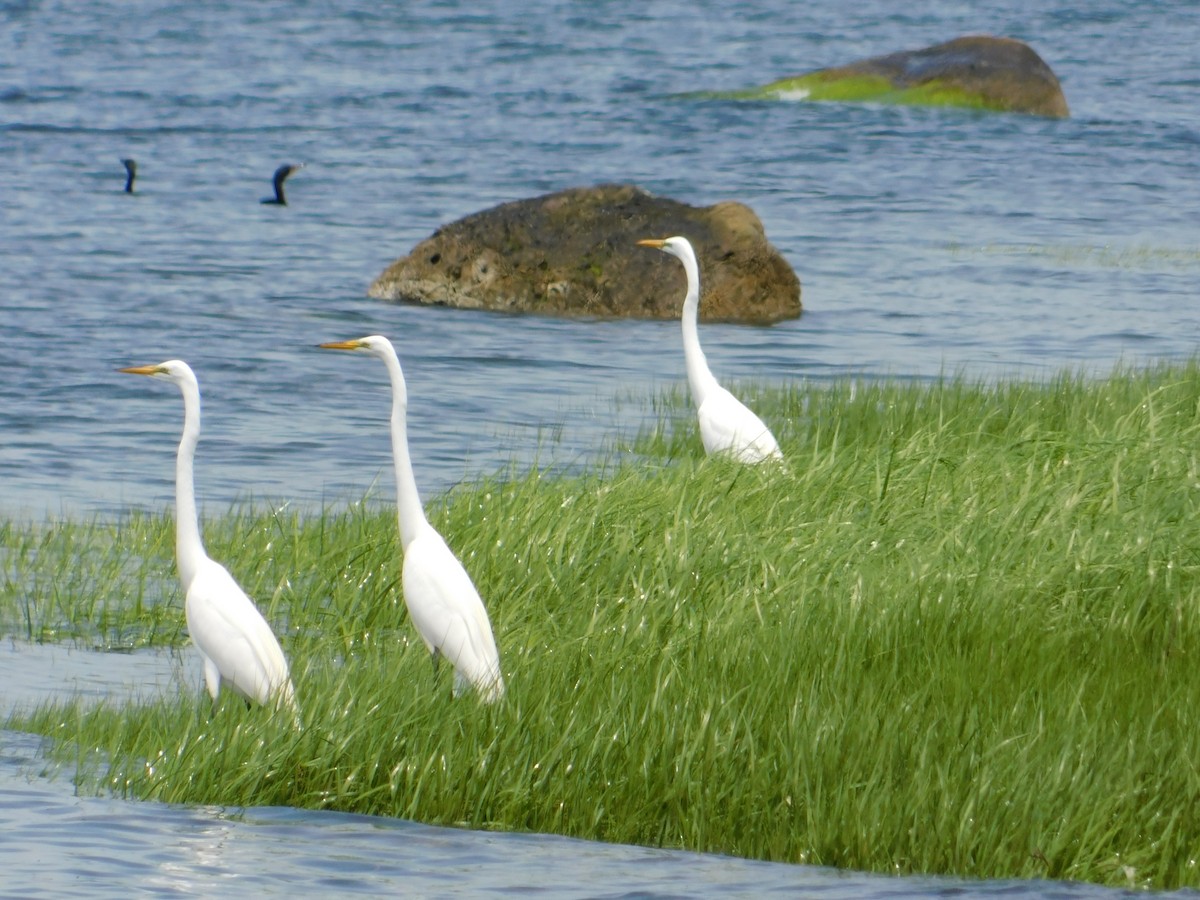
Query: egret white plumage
x=442 y=600
x=727 y=426
x=237 y=644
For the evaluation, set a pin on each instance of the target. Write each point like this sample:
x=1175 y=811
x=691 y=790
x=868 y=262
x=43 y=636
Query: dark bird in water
x=130 y=173
x=281 y=175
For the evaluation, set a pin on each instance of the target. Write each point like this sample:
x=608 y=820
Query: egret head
x=677 y=246
x=375 y=344
x=173 y=370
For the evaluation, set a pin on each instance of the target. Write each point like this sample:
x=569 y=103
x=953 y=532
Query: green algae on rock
x=575 y=252
x=978 y=72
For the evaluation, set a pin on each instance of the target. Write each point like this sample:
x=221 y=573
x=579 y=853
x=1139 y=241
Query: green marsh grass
x=957 y=633
x=89 y=582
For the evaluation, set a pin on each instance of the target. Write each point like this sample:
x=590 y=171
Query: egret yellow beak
x=143 y=370
x=651 y=242
x=341 y=345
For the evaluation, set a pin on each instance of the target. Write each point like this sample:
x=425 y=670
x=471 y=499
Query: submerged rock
x=575 y=253
x=978 y=71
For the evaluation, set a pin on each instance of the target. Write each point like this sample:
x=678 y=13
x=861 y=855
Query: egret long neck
x=189 y=549
x=700 y=377
x=408 y=501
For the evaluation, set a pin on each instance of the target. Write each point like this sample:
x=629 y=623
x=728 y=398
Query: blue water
x=927 y=241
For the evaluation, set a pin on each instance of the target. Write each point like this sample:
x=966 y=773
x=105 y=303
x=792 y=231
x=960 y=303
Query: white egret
x=234 y=639
x=442 y=601
x=727 y=426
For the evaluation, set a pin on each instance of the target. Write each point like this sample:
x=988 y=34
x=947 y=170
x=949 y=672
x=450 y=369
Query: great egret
x=281 y=175
x=444 y=605
x=130 y=173
x=727 y=426
x=234 y=639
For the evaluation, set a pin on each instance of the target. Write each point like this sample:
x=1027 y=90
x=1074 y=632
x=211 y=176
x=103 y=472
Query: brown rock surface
x=1004 y=73
x=575 y=253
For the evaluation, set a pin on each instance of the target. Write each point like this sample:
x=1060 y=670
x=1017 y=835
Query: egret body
x=233 y=638
x=442 y=601
x=727 y=426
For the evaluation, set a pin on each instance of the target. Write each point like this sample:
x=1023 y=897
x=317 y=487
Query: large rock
x=977 y=71
x=576 y=253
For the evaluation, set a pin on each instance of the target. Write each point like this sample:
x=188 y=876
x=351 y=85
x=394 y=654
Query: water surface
x=927 y=240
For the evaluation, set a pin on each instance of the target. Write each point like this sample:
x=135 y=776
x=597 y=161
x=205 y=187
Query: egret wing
x=448 y=613
x=729 y=426
x=228 y=629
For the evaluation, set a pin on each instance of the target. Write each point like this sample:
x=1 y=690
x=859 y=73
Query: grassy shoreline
x=956 y=635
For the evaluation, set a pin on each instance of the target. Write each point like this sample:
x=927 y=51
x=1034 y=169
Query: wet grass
x=958 y=633
x=94 y=583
